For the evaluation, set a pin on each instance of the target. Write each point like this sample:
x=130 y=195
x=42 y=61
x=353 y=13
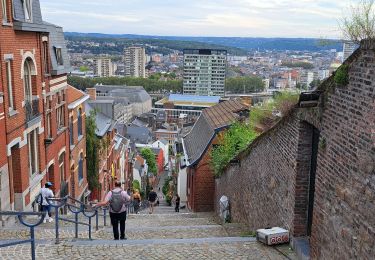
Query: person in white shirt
x=45 y=193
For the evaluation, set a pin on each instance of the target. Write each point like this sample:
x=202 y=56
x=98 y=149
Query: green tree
x=92 y=152
x=83 y=68
x=149 y=156
x=315 y=83
x=246 y=84
x=136 y=185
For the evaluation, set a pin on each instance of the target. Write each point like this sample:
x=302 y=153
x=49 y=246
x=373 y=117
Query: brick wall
x=270 y=188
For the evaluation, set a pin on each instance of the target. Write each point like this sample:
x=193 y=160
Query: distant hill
x=244 y=43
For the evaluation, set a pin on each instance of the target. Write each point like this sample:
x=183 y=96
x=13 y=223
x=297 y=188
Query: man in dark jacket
x=152 y=196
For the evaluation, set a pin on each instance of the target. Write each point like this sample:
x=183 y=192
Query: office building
x=204 y=72
x=135 y=62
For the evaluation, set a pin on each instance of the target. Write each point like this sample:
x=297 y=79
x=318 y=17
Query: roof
x=140 y=135
x=190 y=100
x=211 y=121
x=134 y=94
x=75 y=97
x=103 y=122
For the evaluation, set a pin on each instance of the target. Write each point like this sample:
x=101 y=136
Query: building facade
x=135 y=62
x=204 y=72
x=103 y=67
x=78 y=187
x=34 y=65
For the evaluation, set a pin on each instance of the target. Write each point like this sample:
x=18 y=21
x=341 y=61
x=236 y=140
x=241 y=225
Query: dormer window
x=27 y=8
x=59 y=57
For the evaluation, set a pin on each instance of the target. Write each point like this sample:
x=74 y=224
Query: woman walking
x=137 y=200
x=177 y=208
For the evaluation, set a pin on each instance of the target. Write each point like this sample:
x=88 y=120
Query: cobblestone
x=164 y=235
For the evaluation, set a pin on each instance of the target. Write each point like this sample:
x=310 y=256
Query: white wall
x=181 y=184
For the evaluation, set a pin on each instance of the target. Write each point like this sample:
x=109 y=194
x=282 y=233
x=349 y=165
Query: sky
x=237 y=18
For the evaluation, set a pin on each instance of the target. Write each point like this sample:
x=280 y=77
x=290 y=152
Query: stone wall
x=270 y=188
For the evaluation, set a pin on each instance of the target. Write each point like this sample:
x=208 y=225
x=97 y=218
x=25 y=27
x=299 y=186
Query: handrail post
x=32 y=236
x=97 y=220
x=76 y=224
x=90 y=228
x=105 y=216
x=56 y=225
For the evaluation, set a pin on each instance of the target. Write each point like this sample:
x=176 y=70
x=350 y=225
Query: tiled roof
x=73 y=94
x=211 y=121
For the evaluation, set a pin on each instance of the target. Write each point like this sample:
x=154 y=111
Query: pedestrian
x=117 y=199
x=177 y=208
x=45 y=193
x=152 y=196
x=137 y=200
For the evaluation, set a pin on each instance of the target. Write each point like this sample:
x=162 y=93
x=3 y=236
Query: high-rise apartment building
x=204 y=72
x=348 y=49
x=135 y=62
x=103 y=67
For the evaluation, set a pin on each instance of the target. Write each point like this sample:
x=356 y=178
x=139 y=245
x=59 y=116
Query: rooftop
x=190 y=100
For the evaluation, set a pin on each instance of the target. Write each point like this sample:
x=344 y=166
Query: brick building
x=313 y=172
x=77 y=143
x=197 y=145
x=33 y=77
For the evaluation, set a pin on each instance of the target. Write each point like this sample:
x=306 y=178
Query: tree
x=246 y=84
x=92 y=152
x=360 y=24
x=149 y=156
x=315 y=83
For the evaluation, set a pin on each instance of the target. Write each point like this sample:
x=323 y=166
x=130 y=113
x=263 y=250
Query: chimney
x=92 y=93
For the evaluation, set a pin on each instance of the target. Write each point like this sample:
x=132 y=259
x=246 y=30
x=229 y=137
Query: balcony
x=33 y=115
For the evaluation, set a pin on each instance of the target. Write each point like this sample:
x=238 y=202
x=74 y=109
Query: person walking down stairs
x=136 y=200
x=45 y=193
x=117 y=199
x=152 y=196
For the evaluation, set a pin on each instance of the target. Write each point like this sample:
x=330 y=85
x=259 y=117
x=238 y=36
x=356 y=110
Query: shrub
x=341 y=75
x=136 y=185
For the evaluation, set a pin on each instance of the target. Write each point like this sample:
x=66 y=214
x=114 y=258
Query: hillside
x=233 y=44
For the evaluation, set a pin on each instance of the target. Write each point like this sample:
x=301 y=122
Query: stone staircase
x=162 y=235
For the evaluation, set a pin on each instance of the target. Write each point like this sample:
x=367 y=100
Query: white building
x=135 y=62
x=103 y=67
x=204 y=72
x=348 y=49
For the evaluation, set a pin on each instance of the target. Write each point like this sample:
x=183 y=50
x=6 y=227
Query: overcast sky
x=248 y=18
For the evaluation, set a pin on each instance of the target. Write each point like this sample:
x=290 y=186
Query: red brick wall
x=269 y=188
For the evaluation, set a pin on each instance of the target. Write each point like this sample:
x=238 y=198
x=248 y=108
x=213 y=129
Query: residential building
x=306 y=78
x=77 y=143
x=197 y=146
x=135 y=62
x=103 y=67
x=170 y=135
x=105 y=131
x=204 y=72
x=138 y=135
x=34 y=66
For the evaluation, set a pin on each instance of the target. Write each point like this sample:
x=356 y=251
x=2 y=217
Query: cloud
x=281 y=18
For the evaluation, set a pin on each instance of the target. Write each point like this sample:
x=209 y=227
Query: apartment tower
x=135 y=62
x=204 y=72
x=103 y=67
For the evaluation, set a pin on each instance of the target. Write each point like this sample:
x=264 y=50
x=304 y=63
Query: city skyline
x=236 y=18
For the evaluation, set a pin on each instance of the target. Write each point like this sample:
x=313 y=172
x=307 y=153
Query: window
x=79 y=121
x=5 y=11
x=45 y=57
x=60 y=117
x=62 y=167
x=27 y=82
x=59 y=57
x=49 y=129
x=71 y=131
x=9 y=83
x=27 y=10
x=80 y=168
x=32 y=141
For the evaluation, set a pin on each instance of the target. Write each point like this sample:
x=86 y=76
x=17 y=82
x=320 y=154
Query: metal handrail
x=20 y=216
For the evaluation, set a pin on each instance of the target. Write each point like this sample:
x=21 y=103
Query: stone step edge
x=167 y=241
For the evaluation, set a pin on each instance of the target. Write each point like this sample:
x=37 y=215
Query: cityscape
x=216 y=147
